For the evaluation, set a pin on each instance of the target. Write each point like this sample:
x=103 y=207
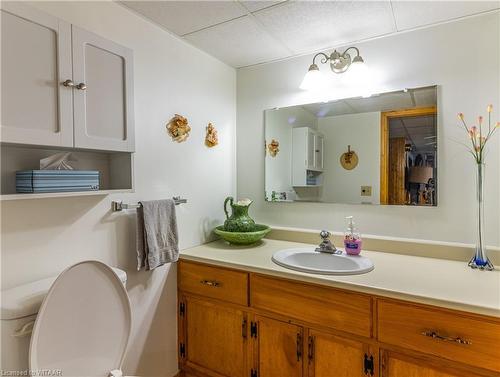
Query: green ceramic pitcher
x=239 y=221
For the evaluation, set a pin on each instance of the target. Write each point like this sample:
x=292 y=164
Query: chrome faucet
x=326 y=246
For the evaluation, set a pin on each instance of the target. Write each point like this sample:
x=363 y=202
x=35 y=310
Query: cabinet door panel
x=103 y=111
x=310 y=150
x=279 y=348
x=36 y=59
x=318 y=145
x=331 y=354
x=400 y=365
x=214 y=338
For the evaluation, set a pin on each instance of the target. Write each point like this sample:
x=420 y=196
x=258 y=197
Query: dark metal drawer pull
x=211 y=283
x=436 y=335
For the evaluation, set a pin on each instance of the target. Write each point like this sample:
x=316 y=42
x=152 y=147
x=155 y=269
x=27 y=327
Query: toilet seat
x=84 y=323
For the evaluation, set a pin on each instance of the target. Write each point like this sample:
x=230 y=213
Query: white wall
x=42 y=237
x=439 y=55
x=362 y=132
x=279 y=124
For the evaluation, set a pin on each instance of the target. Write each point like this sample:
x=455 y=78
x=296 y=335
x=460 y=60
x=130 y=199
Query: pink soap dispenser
x=352 y=238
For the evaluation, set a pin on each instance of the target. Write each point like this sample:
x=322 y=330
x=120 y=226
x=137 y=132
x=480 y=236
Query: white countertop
x=445 y=283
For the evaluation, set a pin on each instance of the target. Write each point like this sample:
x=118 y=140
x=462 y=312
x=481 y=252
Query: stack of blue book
x=56 y=180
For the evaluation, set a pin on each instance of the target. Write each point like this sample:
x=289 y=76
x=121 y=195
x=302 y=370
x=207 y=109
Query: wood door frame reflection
x=384 y=142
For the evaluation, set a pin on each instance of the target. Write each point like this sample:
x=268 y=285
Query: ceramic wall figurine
x=239 y=221
x=211 y=138
x=178 y=128
x=273 y=148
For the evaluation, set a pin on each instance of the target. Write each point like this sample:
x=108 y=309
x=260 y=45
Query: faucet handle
x=326 y=246
x=324 y=234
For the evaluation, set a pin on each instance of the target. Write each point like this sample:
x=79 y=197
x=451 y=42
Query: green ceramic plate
x=243 y=238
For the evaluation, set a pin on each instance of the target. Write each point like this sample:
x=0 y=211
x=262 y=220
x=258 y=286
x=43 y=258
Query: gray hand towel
x=157 y=239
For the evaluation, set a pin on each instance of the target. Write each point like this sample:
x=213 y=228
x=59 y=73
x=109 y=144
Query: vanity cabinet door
x=103 y=100
x=329 y=355
x=278 y=348
x=395 y=364
x=36 y=60
x=212 y=338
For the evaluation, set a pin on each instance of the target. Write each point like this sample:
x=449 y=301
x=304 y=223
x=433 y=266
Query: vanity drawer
x=472 y=340
x=214 y=282
x=342 y=310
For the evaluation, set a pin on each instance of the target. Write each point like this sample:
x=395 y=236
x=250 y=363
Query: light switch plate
x=366 y=190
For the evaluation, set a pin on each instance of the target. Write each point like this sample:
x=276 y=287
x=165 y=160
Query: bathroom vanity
x=241 y=315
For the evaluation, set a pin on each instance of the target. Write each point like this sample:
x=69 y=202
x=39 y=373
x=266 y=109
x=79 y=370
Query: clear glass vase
x=480 y=259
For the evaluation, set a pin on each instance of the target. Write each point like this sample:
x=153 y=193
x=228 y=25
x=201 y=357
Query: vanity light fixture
x=339 y=63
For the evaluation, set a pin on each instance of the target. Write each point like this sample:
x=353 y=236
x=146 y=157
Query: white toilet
x=82 y=326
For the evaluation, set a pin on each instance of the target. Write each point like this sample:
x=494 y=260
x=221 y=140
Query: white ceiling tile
x=182 y=17
x=255 y=5
x=313 y=25
x=411 y=14
x=239 y=43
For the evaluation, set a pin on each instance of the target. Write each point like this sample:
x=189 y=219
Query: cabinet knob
x=68 y=84
x=81 y=86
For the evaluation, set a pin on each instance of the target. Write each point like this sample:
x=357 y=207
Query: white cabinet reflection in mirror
x=395 y=138
x=307 y=157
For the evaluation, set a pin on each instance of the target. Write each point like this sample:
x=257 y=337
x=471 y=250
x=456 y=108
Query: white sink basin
x=308 y=260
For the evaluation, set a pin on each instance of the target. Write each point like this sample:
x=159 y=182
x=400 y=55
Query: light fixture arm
x=350 y=48
x=323 y=60
x=339 y=62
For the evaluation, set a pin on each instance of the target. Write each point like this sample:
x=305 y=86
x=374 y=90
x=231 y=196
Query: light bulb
x=358 y=71
x=313 y=79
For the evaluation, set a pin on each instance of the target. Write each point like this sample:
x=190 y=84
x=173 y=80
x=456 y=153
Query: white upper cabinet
x=308 y=148
x=63 y=86
x=36 y=60
x=103 y=102
x=307 y=157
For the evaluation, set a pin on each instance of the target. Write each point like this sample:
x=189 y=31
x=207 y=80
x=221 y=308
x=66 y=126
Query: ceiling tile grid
x=245 y=32
x=305 y=26
x=238 y=42
x=413 y=14
x=183 y=17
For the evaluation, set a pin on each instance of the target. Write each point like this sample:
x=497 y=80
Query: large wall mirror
x=376 y=150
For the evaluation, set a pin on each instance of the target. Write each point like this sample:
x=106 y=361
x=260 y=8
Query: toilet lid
x=83 y=325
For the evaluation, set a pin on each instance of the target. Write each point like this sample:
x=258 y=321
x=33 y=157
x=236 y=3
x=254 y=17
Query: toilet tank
x=19 y=307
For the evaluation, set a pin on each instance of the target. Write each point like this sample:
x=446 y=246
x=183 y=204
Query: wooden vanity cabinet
x=277 y=348
x=212 y=338
x=397 y=364
x=330 y=354
x=233 y=323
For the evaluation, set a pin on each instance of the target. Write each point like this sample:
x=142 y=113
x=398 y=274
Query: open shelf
x=115 y=170
x=47 y=195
